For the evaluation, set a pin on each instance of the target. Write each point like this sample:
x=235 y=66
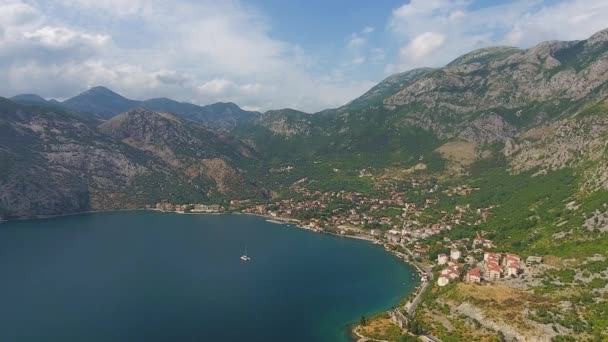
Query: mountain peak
x=101 y=90
x=101 y=101
x=28 y=98
x=599 y=37
x=484 y=55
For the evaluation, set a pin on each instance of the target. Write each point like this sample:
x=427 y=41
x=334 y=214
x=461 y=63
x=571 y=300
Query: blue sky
x=261 y=54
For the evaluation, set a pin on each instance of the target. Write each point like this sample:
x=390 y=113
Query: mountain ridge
x=104 y=103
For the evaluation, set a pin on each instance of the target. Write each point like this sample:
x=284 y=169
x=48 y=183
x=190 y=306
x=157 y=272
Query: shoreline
x=353 y=334
x=43 y=217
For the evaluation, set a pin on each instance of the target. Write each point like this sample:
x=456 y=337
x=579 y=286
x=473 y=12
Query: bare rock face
x=510 y=148
x=562 y=144
x=488 y=129
x=597 y=221
x=227 y=179
x=286 y=122
x=598 y=38
x=551 y=70
x=55 y=163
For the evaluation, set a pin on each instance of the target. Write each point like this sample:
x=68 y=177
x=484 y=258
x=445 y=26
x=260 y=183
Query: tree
x=414 y=327
x=363 y=321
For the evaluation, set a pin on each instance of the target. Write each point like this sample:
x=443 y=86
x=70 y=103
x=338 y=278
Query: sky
x=261 y=54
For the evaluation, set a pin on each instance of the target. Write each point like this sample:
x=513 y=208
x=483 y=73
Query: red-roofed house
x=512 y=269
x=473 y=276
x=493 y=271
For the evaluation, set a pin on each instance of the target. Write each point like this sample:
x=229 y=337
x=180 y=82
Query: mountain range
x=531 y=108
x=516 y=141
x=103 y=103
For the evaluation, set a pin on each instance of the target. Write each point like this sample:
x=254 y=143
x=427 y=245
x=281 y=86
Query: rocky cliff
x=55 y=163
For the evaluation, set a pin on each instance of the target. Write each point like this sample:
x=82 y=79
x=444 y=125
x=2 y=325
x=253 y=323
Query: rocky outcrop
x=488 y=129
x=286 y=122
x=565 y=143
x=55 y=163
x=542 y=73
x=511 y=333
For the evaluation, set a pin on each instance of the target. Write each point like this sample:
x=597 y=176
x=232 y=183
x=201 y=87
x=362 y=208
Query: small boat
x=245 y=257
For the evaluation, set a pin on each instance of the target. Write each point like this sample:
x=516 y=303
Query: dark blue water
x=147 y=276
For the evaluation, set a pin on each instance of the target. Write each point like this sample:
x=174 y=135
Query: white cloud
x=210 y=50
x=434 y=32
x=61 y=37
x=422 y=45
x=568 y=20
x=199 y=51
x=358 y=60
x=377 y=55
x=356 y=41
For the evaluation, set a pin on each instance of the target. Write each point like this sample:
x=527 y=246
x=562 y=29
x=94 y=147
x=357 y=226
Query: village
x=403 y=218
x=413 y=220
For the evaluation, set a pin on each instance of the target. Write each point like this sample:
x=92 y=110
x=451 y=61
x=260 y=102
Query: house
x=510 y=258
x=473 y=275
x=455 y=254
x=533 y=260
x=479 y=241
x=442 y=259
x=452 y=272
x=493 y=271
x=491 y=256
x=443 y=280
x=392 y=238
x=512 y=269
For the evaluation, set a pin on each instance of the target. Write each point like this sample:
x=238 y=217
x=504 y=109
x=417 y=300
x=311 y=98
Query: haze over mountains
x=531 y=109
x=104 y=103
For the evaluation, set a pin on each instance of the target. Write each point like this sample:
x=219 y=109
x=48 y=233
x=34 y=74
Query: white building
x=443 y=280
x=442 y=259
x=455 y=254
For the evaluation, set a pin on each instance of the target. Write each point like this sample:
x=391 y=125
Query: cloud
x=200 y=51
x=434 y=32
x=205 y=51
x=422 y=45
x=359 y=51
x=61 y=37
x=356 y=41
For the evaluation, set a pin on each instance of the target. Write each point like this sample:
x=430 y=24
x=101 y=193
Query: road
x=412 y=308
x=429 y=276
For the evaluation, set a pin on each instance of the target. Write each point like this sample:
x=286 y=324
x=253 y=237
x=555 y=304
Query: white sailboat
x=245 y=257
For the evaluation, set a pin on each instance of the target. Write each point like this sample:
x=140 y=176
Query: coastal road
x=412 y=309
x=429 y=275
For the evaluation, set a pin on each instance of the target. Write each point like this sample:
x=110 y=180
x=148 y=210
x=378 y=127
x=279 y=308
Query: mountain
x=219 y=116
x=502 y=143
x=489 y=96
x=100 y=101
x=487 y=104
x=29 y=99
x=105 y=104
x=54 y=162
x=386 y=88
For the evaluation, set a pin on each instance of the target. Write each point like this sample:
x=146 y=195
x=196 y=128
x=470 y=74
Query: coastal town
x=411 y=221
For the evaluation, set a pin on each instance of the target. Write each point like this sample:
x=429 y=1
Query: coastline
x=352 y=335
x=42 y=217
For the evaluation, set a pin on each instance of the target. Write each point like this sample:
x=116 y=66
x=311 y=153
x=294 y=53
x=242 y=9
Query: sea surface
x=149 y=276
